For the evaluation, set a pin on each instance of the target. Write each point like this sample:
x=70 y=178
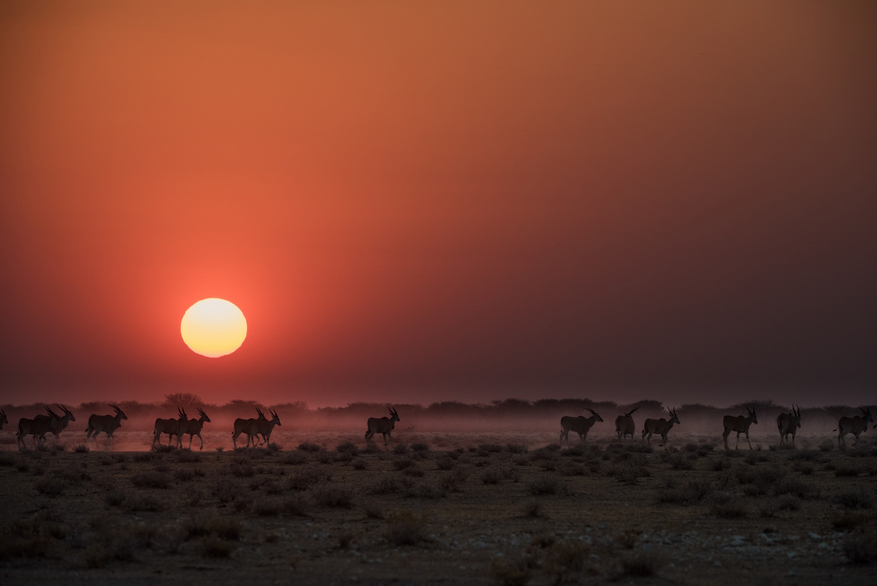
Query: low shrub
x=548 y=485
x=151 y=479
x=405 y=528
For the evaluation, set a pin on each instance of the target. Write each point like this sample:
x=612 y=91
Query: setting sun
x=214 y=327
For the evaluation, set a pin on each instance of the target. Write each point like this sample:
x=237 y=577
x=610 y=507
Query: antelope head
x=796 y=411
x=67 y=413
x=3 y=416
x=752 y=413
x=673 y=418
x=594 y=413
x=119 y=411
x=182 y=413
x=393 y=415
x=261 y=415
x=52 y=414
x=867 y=414
x=274 y=417
x=203 y=415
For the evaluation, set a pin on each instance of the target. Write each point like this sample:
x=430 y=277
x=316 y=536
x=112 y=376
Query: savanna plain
x=440 y=508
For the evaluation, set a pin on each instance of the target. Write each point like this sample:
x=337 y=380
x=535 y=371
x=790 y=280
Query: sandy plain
x=433 y=508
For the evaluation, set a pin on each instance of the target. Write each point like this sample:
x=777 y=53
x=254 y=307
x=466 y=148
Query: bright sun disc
x=214 y=327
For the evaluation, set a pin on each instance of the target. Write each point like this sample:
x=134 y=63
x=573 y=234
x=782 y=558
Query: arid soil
x=439 y=509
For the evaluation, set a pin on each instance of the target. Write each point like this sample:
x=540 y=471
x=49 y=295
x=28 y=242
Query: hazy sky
x=441 y=200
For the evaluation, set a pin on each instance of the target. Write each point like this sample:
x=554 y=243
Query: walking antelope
x=581 y=425
x=248 y=426
x=171 y=427
x=107 y=424
x=660 y=426
x=624 y=424
x=854 y=425
x=193 y=427
x=383 y=426
x=788 y=424
x=739 y=424
x=57 y=423
x=37 y=427
x=3 y=418
x=266 y=426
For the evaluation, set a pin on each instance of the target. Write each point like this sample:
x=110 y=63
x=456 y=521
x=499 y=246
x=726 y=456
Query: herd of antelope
x=258 y=429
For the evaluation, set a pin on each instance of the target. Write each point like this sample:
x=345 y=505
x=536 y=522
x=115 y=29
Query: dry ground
x=439 y=509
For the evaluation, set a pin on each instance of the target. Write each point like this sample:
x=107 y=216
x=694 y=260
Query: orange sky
x=441 y=200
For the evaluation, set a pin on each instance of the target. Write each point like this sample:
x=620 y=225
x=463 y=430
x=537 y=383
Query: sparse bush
x=789 y=502
x=641 y=565
x=184 y=475
x=226 y=490
x=146 y=456
x=296 y=505
x=216 y=547
x=534 y=509
x=81 y=449
x=400 y=449
x=856 y=499
x=849 y=520
x=403 y=463
x=694 y=491
x=680 y=461
x=359 y=464
x=267 y=507
x=827 y=445
x=348 y=448
x=516 y=573
x=135 y=502
x=188 y=456
x=151 y=479
x=51 y=486
x=861 y=548
x=565 y=560
x=547 y=485
x=729 y=510
x=308 y=477
x=720 y=464
x=308 y=447
x=404 y=528
x=445 y=463
x=419 y=447
x=333 y=496
x=223 y=527
x=114 y=498
x=516 y=448
x=847 y=470
x=386 y=485
x=294 y=458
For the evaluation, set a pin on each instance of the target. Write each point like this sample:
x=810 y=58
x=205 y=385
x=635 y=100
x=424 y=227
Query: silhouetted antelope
x=3 y=418
x=264 y=426
x=37 y=427
x=171 y=427
x=660 y=426
x=107 y=424
x=854 y=425
x=57 y=423
x=624 y=424
x=581 y=425
x=788 y=424
x=193 y=427
x=383 y=426
x=739 y=424
x=248 y=426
